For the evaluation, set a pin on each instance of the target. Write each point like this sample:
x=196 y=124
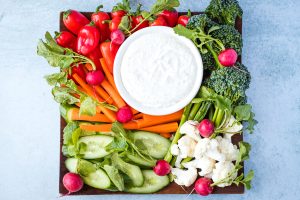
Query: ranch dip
x=158 y=70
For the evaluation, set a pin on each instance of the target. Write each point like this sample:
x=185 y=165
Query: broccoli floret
x=208 y=60
x=231 y=82
x=224 y=11
x=201 y=21
x=230 y=37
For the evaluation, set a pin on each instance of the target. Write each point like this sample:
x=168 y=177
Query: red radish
x=202 y=186
x=72 y=182
x=206 y=128
x=94 y=77
x=162 y=168
x=124 y=114
x=117 y=37
x=160 y=21
x=228 y=57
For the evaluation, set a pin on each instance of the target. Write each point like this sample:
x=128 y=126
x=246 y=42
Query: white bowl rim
x=137 y=105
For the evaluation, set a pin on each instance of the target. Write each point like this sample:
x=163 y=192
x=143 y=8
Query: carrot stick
x=113 y=93
x=108 y=55
x=166 y=135
x=149 y=120
x=103 y=94
x=130 y=125
x=109 y=114
x=134 y=111
x=138 y=116
x=162 y=128
x=88 y=66
x=108 y=75
x=97 y=127
x=96 y=118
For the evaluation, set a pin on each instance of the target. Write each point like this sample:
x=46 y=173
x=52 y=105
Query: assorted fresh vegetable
x=110 y=145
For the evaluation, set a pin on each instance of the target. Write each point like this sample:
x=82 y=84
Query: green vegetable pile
x=223 y=92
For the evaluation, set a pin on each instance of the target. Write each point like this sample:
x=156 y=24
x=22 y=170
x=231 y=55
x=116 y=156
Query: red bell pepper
x=109 y=51
x=88 y=39
x=159 y=21
x=171 y=17
x=66 y=39
x=74 y=20
x=100 y=19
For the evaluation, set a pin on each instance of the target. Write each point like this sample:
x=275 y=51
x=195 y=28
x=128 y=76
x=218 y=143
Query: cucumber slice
x=141 y=161
x=152 y=183
x=97 y=179
x=94 y=146
x=91 y=175
x=65 y=112
x=156 y=145
x=71 y=164
x=132 y=171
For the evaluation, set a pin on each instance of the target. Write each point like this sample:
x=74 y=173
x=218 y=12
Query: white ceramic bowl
x=164 y=110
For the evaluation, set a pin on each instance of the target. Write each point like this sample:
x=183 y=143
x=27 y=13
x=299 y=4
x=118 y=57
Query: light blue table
x=29 y=133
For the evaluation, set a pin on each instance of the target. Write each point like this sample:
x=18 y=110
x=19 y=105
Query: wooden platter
x=173 y=188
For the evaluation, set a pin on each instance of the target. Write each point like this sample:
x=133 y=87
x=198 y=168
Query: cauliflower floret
x=221 y=171
x=233 y=126
x=186 y=146
x=174 y=150
x=201 y=148
x=213 y=151
x=228 y=149
x=185 y=177
x=190 y=128
x=205 y=164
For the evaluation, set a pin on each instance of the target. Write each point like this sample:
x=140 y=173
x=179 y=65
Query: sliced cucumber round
x=152 y=183
x=97 y=179
x=156 y=145
x=94 y=146
x=71 y=164
x=93 y=176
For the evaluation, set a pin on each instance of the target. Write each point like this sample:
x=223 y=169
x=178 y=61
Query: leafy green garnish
x=115 y=176
x=125 y=5
x=161 y=5
x=125 y=24
x=244 y=113
x=56 y=78
x=62 y=95
x=68 y=131
x=84 y=168
x=119 y=144
x=87 y=106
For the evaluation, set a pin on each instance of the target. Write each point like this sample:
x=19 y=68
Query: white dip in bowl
x=157 y=71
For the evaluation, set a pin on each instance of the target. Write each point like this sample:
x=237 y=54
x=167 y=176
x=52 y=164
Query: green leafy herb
x=87 y=106
x=115 y=176
x=62 y=95
x=244 y=113
x=117 y=145
x=84 y=168
x=56 y=78
x=68 y=130
x=125 y=5
x=161 y=5
x=125 y=24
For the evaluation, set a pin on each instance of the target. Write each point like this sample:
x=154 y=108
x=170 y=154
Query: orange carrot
x=109 y=114
x=162 y=128
x=108 y=55
x=132 y=125
x=96 y=118
x=108 y=75
x=103 y=94
x=88 y=66
x=149 y=120
x=113 y=93
x=97 y=127
x=134 y=111
x=138 y=116
x=166 y=135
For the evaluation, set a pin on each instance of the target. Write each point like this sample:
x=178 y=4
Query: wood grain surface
x=173 y=188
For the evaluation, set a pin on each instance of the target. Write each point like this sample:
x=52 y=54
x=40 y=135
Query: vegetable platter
x=108 y=147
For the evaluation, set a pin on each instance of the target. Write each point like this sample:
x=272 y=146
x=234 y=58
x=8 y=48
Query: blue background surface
x=29 y=133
